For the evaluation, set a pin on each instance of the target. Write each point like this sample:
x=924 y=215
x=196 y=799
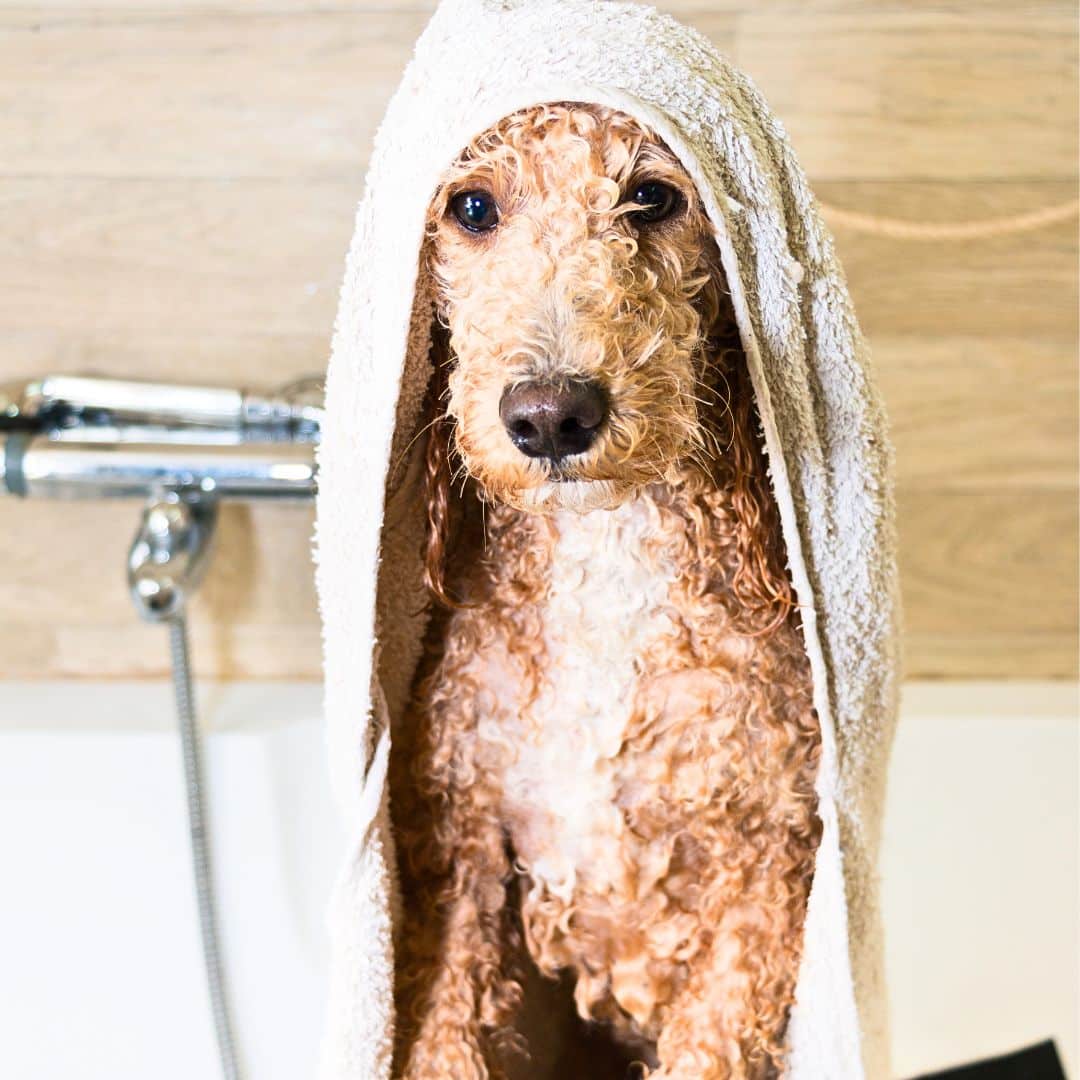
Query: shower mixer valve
x=170 y=553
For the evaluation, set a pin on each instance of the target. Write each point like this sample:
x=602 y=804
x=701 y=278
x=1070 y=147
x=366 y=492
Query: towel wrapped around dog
x=824 y=429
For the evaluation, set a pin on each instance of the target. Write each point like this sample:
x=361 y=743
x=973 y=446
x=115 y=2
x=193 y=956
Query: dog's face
x=578 y=277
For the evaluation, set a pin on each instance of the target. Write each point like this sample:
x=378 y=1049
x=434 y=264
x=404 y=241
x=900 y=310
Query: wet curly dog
x=605 y=786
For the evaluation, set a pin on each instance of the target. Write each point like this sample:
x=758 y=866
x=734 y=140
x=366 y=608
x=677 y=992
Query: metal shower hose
x=200 y=846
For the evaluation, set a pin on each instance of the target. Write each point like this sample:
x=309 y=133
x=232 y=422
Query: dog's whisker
x=412 y=442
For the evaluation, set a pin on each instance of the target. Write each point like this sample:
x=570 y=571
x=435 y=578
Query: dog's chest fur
x=604 y=604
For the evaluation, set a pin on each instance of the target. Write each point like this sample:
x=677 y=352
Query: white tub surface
x=101 y=973
x=979 y=869
x=100 y=970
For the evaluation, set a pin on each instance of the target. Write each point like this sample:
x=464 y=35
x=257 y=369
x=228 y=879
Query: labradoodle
x=604 y=790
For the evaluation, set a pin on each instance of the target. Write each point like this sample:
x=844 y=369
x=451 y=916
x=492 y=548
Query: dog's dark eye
x=657 y=201
x=476 y=210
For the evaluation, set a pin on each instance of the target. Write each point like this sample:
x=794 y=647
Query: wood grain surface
x=177 y=185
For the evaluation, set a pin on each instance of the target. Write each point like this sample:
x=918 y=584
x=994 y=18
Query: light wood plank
x=218 y=258
x=260 y=572
x=981 y=414
x=989 y=583
x=1007 y=286
x=193 y=93
x=989 y=590
x=972 y=95
x=973 y=9
x=866 y=94
x=985 y=655
x=231 y=651
x=29 y=652
x=67 y=611
x=682 y=9
x=261 y=257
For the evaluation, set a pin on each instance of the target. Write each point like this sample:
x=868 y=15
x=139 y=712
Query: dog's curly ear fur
x=762 y=596
x=437 y=472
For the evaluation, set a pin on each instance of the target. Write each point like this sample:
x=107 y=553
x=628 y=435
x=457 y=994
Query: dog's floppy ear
x=437 y=473
x=761 y=594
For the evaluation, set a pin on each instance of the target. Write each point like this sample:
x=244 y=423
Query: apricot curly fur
x=682 y=930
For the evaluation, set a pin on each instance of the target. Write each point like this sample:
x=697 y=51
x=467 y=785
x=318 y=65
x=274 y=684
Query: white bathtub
x=100 y=971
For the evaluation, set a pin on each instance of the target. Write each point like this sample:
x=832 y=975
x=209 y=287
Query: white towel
x=829 y=457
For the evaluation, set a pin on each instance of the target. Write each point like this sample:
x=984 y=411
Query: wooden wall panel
x=882 y=93
x=1023 y=284
x=689 y=10
x=976 y=567
x=232 y=94
x=979 y=414
x=95 y=255
x=92 y=255
x=905 y=94
x=177 y=185
x=67 y=611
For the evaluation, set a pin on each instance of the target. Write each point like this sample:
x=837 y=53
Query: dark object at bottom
x=1039 y=1062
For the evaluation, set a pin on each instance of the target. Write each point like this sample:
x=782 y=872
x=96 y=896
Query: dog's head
x=578 y=280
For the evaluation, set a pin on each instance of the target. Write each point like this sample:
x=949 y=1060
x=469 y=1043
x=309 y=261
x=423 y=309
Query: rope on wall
x=895 y=229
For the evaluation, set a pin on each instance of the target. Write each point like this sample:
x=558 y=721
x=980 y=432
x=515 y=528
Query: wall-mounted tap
x=66 y=436
x=83 y=404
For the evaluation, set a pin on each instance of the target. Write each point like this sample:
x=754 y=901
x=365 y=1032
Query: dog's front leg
x=470 y=994
x=728 y=1022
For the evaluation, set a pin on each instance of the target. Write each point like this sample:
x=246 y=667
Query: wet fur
x=604 y=788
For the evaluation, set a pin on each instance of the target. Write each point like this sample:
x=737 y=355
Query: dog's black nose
x=553 y=420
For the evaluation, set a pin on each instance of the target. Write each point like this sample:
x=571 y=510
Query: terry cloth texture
x=825 y=432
